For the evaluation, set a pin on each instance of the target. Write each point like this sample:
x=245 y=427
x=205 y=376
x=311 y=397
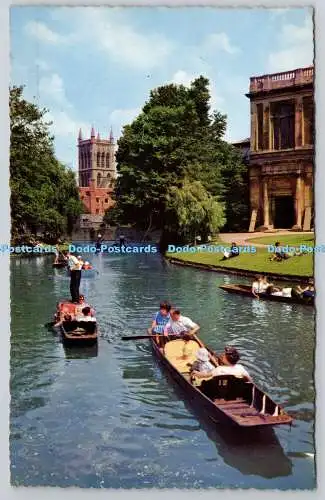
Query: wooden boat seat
x=86 y=327
x=227 y=388
x=181 y=353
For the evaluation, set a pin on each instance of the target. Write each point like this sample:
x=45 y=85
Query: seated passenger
x=202 y=363
x=256 y=286
x=82 y=303
x=161 y=318
x=87 y=265
x=230 y=366
x=85 y=316
x=66 y=317
x=179 y=325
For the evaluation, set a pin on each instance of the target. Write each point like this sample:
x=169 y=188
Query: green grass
x=287 y=239
x=258 y=262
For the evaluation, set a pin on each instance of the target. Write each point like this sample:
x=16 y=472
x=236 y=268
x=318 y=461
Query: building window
x=87 y=193
x=98 y=160
x=97 y=200
x=106 y=200
x=99 y=178
x=97 y=211
x=283 y=125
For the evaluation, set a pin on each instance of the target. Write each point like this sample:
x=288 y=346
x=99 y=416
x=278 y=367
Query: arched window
x=99 y=178
x=98 y=159
x=103 y=160
x=107 y=160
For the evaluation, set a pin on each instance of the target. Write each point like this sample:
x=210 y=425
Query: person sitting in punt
x=87 y=266
x=85 y=315
x=180 y=325
x=202 y=363
x=161 y=318
x=228 y=366
x=82 y=304
x=66 y=317
x=256 y=286
x=307 y=292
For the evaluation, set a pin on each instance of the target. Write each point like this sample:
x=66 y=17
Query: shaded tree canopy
x=44 y=193
x=173 y=143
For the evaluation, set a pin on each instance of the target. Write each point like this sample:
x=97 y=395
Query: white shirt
x=237 y=370
x=256 y=287
x=183 y=325
x=74 y=263
x=85 y=318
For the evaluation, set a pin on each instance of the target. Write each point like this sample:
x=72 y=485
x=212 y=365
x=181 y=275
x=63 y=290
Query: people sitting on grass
x=234 y=252
x=279 y=255
x=228 y=366
x=161 y=319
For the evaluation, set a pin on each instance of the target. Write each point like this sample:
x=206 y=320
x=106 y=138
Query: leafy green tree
x=44 y=193
x=173 y=142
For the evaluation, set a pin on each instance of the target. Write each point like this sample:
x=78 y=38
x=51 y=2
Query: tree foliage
x=44 y=194
x=174 y=153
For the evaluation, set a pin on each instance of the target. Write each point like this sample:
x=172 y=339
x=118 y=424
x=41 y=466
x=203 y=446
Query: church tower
x=97 y=171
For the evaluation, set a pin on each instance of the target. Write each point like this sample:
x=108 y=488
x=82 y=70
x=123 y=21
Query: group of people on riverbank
x=261 y=286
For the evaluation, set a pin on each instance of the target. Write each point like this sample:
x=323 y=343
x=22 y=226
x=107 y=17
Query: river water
x=114 y=418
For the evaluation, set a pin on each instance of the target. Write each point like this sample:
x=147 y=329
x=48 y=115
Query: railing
x=285 y=79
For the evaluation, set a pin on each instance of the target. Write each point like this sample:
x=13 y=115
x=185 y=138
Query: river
x=113 y=418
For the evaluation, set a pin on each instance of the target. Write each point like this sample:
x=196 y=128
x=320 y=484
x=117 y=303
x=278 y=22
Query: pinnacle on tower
x=98 y=137
x=111 y=137
x=80 y=135
x=92 y=134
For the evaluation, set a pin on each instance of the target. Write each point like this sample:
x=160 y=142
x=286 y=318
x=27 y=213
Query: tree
x=173 y=142
x=44 y=193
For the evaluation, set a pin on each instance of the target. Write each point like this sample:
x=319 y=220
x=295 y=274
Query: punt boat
x=247 y=291
x=75 y=333
x=225 y=399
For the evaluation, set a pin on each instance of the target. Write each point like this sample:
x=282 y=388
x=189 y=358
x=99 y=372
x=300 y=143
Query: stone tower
x=97 y=172
x=96 y=160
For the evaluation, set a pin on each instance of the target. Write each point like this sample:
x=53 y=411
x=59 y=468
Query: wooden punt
x=76 y=333
x=225 y=398
x=247 y=291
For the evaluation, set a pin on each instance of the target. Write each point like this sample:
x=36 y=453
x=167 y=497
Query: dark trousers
x=75 y=277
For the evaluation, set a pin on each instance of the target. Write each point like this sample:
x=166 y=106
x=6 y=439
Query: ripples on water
x=116 y=419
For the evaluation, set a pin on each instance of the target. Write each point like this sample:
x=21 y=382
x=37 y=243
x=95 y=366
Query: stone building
x=96 y=173
x=281 y=158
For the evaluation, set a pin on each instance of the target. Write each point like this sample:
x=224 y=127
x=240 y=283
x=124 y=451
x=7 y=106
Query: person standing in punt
x=75 y=276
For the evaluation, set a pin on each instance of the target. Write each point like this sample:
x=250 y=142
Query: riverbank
x=295 y=269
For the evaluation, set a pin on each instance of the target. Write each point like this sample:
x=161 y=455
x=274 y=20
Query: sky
x=96 y=66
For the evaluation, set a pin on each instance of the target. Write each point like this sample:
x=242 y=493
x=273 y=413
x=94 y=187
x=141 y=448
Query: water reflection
x=81 y=352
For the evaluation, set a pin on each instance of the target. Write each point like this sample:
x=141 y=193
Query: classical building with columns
x=281 y=159
x=96 y=172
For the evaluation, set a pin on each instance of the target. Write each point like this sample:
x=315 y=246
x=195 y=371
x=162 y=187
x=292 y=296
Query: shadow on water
x=81 y=352
x=251 y=451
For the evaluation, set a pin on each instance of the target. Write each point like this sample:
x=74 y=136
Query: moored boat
x=225 y=398
x=75 y=333
x=247 y=291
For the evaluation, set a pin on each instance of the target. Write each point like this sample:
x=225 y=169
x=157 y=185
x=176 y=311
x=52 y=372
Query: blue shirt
x=161 y=322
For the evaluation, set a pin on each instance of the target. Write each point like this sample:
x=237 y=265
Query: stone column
x=299 y=202
x=298 y=122
x=266 y=126
x=266 y=204
x=253 y=126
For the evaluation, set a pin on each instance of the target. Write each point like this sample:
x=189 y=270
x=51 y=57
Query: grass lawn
x=258 y=262
x=286 y=239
